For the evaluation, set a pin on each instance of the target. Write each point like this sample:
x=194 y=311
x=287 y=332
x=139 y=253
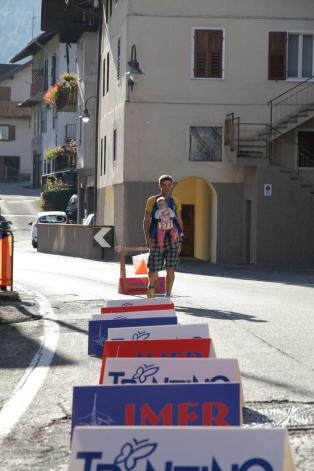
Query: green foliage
x=55 y=200
x=52 y=152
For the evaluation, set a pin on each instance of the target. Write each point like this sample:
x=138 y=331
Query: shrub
x=55 y=200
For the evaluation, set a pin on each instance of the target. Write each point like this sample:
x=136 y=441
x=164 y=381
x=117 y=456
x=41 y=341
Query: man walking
x=166 y=257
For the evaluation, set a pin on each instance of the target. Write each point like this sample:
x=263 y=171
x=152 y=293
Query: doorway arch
x=199 y=211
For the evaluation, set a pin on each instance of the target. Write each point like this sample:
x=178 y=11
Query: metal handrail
x=269 y=130
x=273 y=100
x=289 y=90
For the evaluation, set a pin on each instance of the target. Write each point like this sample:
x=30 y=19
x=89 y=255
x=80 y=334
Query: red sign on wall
x=169 y=348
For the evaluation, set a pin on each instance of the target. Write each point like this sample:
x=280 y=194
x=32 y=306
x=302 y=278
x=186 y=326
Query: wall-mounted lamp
x=85 y=116
x=135 y=70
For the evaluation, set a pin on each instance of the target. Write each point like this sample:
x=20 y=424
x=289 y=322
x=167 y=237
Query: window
x=107 y=88
x=4 y=133
x=114 y=155
x=43 y=116
x=45 y=74
x=105 y=155
x=119 y=60
x=300 y=55
x=107 y=10
x=206 y=143
x=103 y=77
x=101 y=155
x=53 y=69
x=290 y=55
x=7 y=132
x=208 y=53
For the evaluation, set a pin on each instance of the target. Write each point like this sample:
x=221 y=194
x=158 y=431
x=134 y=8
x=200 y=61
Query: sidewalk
x=19 y=308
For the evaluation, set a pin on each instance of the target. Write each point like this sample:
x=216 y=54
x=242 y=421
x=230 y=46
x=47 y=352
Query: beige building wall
x=153 y=121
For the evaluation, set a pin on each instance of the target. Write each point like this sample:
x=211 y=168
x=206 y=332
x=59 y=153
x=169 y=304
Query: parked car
x=46 y=217
x=90 y=220
x=71 y=209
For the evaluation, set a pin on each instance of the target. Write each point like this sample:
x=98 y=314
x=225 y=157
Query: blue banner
x=211 y=404
x=98 y=330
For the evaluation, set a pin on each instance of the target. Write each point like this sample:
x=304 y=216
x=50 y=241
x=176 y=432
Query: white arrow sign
x=100 y=237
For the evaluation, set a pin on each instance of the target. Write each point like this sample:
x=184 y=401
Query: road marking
x=35 y=374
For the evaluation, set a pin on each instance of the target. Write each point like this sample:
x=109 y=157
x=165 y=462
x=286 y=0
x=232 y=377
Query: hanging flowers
x=65 y=89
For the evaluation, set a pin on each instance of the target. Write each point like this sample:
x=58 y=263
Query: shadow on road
x=20 y=335
x=217 y=314
x=299 y=275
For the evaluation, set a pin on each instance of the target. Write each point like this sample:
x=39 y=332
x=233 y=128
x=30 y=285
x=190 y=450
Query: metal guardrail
x=10 y=174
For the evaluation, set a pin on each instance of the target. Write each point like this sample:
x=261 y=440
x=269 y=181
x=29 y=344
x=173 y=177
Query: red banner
x=146 y=307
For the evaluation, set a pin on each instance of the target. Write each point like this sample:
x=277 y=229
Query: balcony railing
x=65 y=161
x=67 y=102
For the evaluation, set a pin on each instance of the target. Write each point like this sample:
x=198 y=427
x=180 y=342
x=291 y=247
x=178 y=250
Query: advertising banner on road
x=170 y=370
x=180 y=449
x=186 y=331
x=135 y=314
x=143 y=307
x=132 y=301
x=211 y=404
x=98 y=330
x=169 y=348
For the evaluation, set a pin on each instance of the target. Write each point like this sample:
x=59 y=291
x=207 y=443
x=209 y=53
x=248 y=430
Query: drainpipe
x=98 y=107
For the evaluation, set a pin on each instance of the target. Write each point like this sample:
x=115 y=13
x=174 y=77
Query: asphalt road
x=262 y=316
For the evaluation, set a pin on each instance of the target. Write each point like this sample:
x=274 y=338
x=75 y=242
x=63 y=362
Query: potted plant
x=63 y=93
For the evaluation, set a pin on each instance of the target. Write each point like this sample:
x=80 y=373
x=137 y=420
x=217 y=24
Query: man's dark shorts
x=167 y=258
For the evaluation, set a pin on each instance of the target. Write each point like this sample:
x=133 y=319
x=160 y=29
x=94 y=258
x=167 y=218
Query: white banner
x=171 y=371
x=186 y=331
x=180 y=449
x=134 y=315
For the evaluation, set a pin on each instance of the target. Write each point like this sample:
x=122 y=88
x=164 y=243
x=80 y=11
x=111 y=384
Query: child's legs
x=160 y=238
x=174 y=235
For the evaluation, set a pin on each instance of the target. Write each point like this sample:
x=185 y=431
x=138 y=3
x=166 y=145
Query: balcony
x=11 y=109
x=69 y=21
x=67 y=102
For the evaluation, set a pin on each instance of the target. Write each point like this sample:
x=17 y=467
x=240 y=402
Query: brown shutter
x=208 y=53
x=215 y=39
x=277 y=55
x=11 y=133
x=201 y=65
x=5 y=93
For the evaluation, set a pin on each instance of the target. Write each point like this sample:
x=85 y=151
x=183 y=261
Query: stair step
x=284 y=171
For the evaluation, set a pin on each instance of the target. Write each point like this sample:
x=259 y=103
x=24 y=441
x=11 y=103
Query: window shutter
x=277 y=55
x=201 y=66
x=215 y=53
x=11 y=133
x=208 y=53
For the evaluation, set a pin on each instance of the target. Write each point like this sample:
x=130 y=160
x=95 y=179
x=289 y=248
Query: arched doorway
x=199 y=212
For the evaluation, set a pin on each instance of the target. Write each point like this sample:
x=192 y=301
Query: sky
x=16 y=26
